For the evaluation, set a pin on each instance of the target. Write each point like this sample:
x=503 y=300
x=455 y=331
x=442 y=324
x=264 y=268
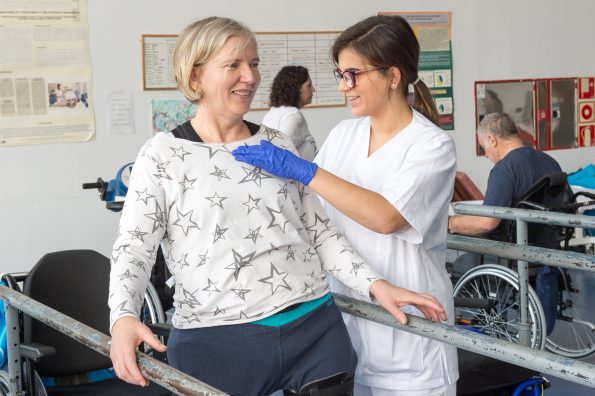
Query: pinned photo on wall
x=166 y=114
x=69 y=95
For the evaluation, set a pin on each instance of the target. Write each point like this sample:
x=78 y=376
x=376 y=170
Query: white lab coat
x=415 y=171
x=291 y=122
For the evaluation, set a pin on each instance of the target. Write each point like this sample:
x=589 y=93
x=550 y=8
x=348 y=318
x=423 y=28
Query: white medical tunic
x=414 y=171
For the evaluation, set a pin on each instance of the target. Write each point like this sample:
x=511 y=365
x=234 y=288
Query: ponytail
x=424 y=103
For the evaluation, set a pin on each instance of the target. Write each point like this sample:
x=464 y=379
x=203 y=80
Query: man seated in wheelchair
x=520 y=174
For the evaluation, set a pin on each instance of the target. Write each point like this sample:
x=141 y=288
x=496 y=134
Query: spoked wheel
x=152 y=311
x=4 y=389
x=499 y=285
x=5 y=385
x=573 y=335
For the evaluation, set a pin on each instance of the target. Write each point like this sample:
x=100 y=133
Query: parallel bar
x=523 y=272
x=12 y=340
x=529 y=215
x=544 y=362
x=156 y=371
x=532 y=254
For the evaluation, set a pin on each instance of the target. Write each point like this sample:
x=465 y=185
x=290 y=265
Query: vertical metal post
x=523 y=270
x=15 y=376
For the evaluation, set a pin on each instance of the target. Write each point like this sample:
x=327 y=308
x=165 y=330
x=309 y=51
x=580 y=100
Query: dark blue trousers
x=546 y=287
x=256 y=360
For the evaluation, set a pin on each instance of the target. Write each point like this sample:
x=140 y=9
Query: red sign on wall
x=586 y=112
x=586 y=135
x=586 y=88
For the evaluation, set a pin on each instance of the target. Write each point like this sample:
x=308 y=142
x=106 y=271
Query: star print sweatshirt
x=240 y=243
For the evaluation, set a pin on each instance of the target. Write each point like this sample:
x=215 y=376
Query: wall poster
x=275 y=49
x=157 y=52
x=433 y=31
x=166 y=114
x=309 y=49
x=45 y=73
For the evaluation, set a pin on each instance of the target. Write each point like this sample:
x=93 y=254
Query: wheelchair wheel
x=499 y=285
x=152 y=312
x=573 y=336
x=4 y=389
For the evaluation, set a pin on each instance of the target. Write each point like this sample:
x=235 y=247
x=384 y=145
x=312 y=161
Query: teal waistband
x=281 y=319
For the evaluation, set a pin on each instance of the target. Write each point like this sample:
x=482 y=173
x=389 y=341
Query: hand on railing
x=127 y=334
x=392 y=298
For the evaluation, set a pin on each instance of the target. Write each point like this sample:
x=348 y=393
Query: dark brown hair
x=386 y=41
x=285 y=90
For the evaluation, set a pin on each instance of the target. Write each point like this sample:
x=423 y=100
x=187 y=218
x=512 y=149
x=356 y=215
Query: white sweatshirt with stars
x=240 y=243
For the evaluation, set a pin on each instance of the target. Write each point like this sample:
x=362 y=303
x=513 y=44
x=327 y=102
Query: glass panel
x=513 y=98
x=542 y=111
x=542 y=127
x=563 y=112
x=541 y=94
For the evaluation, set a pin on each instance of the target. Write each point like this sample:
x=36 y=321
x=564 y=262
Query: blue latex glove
x=277 y=161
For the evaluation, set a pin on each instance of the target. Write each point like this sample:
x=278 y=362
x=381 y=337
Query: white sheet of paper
x=120 y=112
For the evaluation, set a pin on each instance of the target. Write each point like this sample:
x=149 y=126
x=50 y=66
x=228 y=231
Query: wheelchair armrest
x=160 y=329
x=531 y=205
x=34 y=351
x=476 y=303
x=584 y=194
x=115 y=206
x=12 y=280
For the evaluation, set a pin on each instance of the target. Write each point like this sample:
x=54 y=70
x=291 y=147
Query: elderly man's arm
x=472 y=225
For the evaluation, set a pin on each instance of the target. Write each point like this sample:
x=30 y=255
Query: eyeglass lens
x=347 y=76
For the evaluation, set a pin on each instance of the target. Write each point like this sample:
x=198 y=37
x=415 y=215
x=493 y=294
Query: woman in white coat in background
x=292 y=90
x=386 y=180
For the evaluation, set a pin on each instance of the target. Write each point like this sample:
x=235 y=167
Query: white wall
x=42 y=205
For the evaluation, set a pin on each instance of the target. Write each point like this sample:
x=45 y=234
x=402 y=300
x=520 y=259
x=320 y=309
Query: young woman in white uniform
x=386 y=180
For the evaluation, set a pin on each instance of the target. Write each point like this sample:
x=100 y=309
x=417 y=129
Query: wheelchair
x=569 y=334
x=52 y=363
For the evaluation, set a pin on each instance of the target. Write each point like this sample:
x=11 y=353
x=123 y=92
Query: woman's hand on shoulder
x=127 y=334
x=392 y=298
x=277 y=161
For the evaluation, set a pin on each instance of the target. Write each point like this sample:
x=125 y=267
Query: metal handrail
x=180 y=383
x=533 y=254
x=166 y=376
x=522 y=217
x=538 y=360
x=529 y=215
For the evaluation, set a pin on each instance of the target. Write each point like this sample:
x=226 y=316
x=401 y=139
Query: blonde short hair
x=199 y=43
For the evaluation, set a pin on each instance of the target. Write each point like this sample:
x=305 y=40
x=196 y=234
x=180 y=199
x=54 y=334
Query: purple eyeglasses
x=349 y=75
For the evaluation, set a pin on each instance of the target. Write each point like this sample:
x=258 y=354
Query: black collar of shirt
x=186 y=131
